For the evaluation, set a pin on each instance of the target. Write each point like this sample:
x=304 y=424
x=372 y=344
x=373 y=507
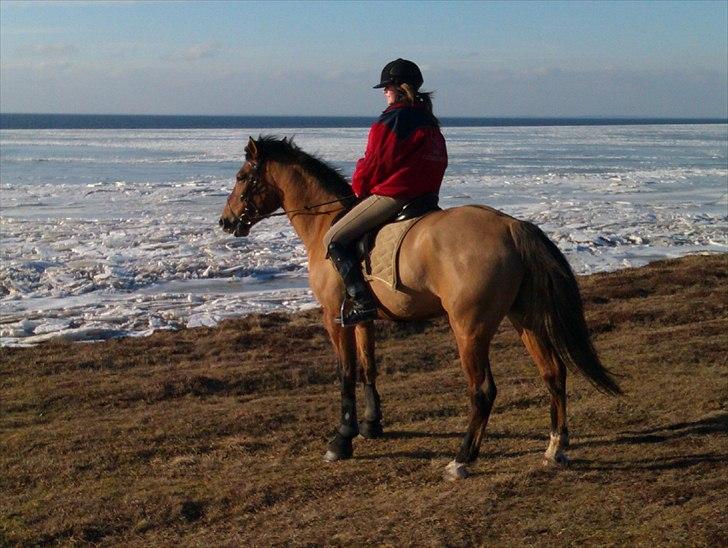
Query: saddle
x=411 y=210
x=378 y=249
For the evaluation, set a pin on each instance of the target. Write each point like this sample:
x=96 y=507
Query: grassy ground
x=216 y=436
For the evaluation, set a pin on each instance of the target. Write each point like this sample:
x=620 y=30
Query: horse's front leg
x=340 y=447
x=371 y=425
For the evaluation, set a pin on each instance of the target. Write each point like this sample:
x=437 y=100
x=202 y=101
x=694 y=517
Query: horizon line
x=453 y=117
x=86 y=121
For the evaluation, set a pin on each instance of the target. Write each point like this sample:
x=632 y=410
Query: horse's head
x=253 y=197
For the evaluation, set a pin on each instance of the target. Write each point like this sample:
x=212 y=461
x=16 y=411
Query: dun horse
x=473 y=263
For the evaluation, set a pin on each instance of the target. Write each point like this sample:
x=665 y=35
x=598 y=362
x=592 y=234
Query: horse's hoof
x=559 y=459
x=339 y=448
x=371 y=429
x=455 y=471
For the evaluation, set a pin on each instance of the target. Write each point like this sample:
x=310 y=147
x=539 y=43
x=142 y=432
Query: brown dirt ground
x=216 y=436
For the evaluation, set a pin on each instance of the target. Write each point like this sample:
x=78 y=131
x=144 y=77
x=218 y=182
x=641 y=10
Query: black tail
x=552 y=307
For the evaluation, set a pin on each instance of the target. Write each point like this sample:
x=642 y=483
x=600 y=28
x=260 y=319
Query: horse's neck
x=299 y=191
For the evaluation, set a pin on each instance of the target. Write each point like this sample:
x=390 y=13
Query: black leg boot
x=362 y=307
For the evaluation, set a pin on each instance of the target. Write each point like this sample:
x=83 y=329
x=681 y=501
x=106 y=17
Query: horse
x=472 y=263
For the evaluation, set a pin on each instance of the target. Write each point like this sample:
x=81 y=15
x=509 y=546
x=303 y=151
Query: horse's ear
x=251 y=150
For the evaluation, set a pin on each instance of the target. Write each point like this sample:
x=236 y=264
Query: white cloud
x=212 y=88
x=560 y=91
x=47 y=50
x=194 y=53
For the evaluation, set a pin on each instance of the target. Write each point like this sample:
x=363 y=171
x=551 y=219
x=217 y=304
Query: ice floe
x=110 y=233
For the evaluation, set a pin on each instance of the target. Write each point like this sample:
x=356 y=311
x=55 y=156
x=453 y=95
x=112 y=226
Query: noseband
x=251 y=214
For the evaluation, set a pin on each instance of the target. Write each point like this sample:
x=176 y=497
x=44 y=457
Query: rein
x=251 y=214
x=307 y=208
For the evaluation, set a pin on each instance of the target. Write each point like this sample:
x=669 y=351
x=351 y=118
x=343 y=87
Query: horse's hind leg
x=473 y=350
x=371 y=425
x=553 y=373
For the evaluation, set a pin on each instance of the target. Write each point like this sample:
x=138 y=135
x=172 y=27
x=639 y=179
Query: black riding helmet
x=401 y=71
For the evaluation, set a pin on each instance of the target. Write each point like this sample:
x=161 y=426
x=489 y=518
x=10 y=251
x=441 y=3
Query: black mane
x=285 y=151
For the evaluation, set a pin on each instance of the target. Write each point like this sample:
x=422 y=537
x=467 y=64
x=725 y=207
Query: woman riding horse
x=472 y=263
x=405 y=158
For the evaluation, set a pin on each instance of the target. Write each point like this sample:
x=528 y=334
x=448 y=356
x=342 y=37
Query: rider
x=405 y=158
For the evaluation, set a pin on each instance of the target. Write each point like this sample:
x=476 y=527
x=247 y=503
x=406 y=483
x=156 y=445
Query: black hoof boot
x=339 y=448
x=371 y=429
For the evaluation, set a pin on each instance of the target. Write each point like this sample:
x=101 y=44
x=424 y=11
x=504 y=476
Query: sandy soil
x=216 y=436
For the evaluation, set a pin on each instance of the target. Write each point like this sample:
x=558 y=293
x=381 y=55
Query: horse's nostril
x=221 y=222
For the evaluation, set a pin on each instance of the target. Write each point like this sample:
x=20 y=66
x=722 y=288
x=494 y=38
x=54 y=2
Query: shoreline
x=80 y=334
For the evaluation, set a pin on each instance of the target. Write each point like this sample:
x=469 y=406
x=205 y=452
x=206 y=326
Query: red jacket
x=405 y=157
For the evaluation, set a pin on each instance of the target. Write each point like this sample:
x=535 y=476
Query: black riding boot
x=362 y=307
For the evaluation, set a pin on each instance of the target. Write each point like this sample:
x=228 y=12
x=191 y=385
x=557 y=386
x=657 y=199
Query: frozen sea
x=112 y=232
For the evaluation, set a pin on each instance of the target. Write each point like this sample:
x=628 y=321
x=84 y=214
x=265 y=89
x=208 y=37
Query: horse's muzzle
x=237 y=228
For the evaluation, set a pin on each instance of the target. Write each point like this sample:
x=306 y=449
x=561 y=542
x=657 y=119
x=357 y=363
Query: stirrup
x=356 y=313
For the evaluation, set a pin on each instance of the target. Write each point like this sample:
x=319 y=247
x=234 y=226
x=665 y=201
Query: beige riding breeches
x=366 y=215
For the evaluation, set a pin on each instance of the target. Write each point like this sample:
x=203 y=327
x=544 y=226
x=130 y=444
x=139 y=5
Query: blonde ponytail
x=413 y=97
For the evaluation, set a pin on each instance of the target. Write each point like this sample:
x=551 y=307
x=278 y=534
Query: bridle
x=251 y=214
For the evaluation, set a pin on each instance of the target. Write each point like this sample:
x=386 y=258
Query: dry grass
x=216 y=436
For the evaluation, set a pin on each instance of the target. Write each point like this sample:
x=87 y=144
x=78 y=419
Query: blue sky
x=321 y=58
